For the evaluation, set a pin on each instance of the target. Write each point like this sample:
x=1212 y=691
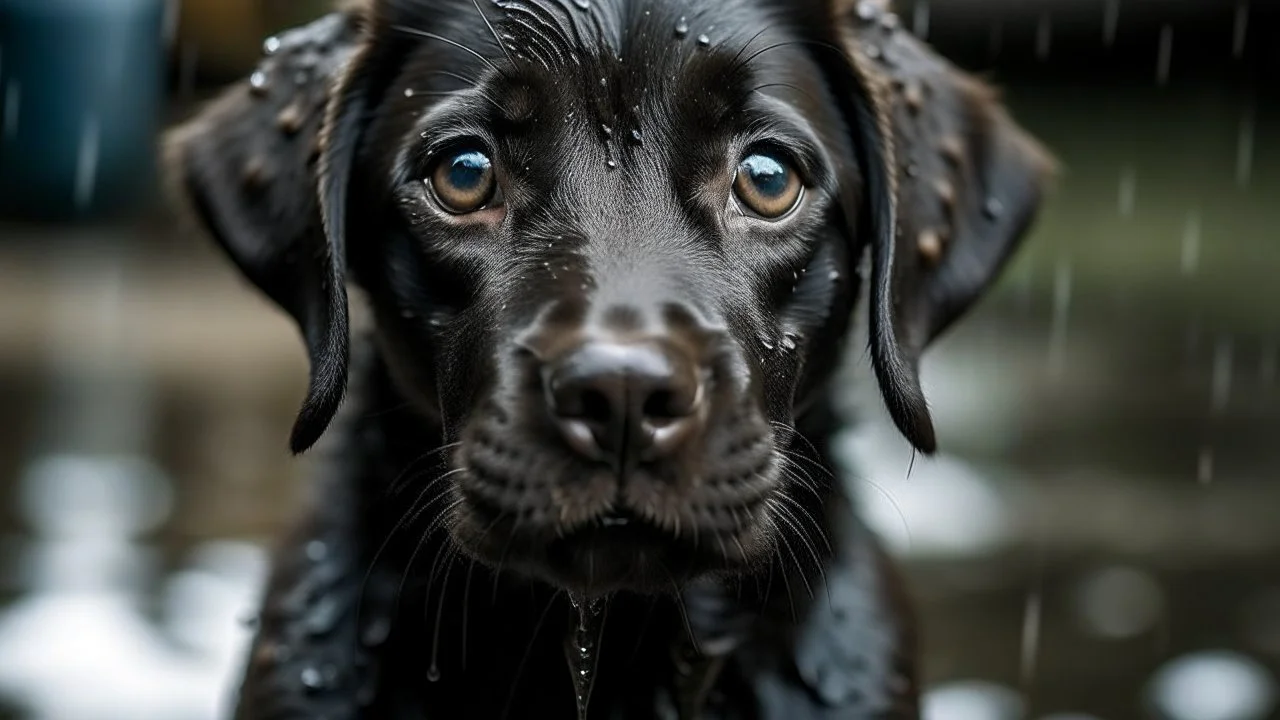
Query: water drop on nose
x=703 y=40
x=271 y=45
x=682 y=28
x=433 y=673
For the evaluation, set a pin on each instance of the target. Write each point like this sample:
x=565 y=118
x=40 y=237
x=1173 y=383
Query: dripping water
x=582 y=648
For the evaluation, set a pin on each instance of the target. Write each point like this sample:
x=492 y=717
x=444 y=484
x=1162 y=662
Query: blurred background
x=1099 y=539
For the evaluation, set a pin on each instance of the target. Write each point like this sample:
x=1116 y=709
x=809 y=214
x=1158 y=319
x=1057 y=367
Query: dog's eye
x=767 y=184
x=463 y=181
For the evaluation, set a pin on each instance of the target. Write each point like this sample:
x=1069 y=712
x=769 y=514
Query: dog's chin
x=614 y=554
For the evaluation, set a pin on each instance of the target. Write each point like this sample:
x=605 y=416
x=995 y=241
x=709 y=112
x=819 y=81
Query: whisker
x=447 y=41
x=515 y=681
x=794 y=558
x=493 y=32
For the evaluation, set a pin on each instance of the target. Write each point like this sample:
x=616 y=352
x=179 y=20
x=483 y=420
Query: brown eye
x=463 y=181
x=767 y=184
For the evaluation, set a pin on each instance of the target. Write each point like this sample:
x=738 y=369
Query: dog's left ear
x=951 y=185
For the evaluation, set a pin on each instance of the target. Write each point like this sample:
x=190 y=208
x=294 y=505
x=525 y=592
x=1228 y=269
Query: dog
x=611 y=252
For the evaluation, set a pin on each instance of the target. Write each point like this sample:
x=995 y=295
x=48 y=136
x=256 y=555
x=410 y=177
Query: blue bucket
x=81 y=93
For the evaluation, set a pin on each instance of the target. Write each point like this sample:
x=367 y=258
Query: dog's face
x=610 y=248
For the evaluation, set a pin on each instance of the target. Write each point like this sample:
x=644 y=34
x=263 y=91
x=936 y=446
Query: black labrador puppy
x=610 y=251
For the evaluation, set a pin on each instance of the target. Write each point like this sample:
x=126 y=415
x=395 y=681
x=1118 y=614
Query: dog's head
x=611 y=246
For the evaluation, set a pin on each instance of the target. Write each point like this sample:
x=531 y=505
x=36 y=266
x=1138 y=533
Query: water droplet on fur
x=636 y=137
x=582 y=4
x=703 y=40
x=833 y=275
x=606 y=130
x=581 y=649
x=682 y=28
x=611 y=163
x=408 y=92
x=312 y=679
x=788 y=342
x=271 y=45
x=317 y=550
x=993 y=208
x=766 y=342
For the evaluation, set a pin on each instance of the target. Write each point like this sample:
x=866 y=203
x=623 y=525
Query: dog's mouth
x=595 y=540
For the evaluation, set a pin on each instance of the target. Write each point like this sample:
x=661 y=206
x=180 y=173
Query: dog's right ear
x=248 y=166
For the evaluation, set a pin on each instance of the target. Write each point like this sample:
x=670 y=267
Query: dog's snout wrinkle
x=625 y=402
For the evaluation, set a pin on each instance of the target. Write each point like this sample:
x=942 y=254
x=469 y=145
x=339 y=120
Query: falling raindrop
x=1204 y=466
x=1241 y=29
x=1061 y=317
x=12 y=103
x=1191 y=232
x=433 y=673
x=920 y=19
x=1244 y=151
x=1110 y=22
x=1164 y=57
x=1030 y=636
x=1128 y=190
x=682 y=28
x=1044 y=36
x=581 y=649
x=87 y=162
x=1223 y=363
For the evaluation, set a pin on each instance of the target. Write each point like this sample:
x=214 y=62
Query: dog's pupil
x=767 y=174
x=468 y=170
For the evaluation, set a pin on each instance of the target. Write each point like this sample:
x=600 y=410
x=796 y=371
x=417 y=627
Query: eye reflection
x=767 y=184
x=463 y=181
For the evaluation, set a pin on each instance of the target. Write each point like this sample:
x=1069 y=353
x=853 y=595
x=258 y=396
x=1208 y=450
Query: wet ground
x=1101 y=534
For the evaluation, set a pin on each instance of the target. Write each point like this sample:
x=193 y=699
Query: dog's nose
x=625 y=402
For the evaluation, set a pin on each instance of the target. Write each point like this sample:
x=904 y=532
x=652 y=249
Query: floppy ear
x=951 y=186
x=247 y=164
